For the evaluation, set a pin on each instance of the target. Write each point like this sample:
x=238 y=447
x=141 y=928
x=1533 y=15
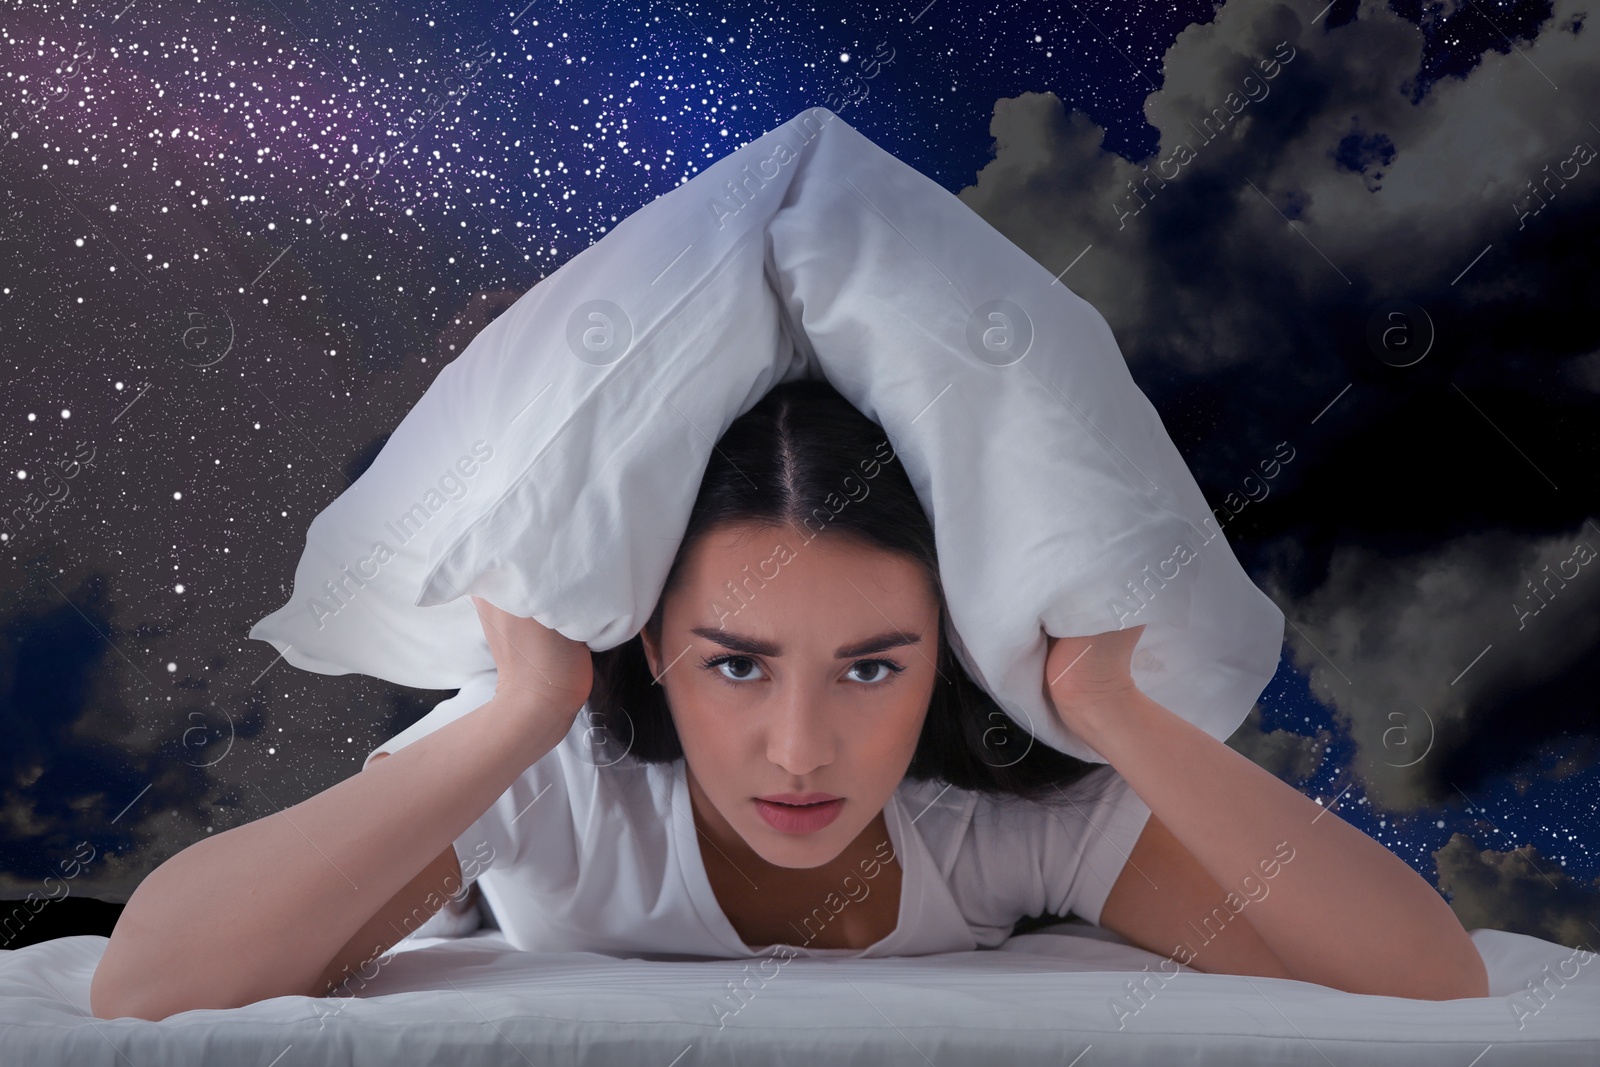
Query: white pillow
x=1052 y=485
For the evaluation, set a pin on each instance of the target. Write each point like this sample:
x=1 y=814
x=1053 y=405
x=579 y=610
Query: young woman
x=787 y=759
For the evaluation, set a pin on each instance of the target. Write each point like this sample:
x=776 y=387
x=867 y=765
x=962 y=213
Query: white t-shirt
x=579 y=856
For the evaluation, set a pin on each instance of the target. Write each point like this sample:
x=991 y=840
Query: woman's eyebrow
x=756 y=647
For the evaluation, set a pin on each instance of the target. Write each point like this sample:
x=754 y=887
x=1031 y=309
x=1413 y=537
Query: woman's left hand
x=1083 y=673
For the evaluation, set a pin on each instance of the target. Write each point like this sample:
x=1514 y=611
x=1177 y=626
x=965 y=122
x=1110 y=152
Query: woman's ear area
x=652 y=654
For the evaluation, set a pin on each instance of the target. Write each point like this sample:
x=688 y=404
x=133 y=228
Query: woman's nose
x=799 y=737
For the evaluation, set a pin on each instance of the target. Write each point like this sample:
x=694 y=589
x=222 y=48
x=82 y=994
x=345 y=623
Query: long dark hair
x=798 y=458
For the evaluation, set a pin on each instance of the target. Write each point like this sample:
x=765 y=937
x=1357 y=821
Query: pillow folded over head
x=550 y=468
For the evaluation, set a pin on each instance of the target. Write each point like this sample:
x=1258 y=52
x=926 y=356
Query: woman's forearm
x=1345 y=912
x=258 y=911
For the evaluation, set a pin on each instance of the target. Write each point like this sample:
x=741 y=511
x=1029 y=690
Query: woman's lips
x=799 y=819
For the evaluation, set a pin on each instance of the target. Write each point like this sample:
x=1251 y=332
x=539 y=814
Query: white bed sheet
x=1042 y=998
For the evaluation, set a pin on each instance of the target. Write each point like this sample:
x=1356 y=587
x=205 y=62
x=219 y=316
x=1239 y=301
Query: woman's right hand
x=535 y=662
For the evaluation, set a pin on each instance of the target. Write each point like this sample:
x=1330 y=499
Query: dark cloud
x=65 y=776
x=1520 y=891
x=1443 y=661
x=111 y=765
x=1291 y=756
x=104 y=742
x=1387 y=197
x=1250 y=281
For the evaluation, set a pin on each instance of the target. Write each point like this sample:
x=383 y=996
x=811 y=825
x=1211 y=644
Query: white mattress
x=1042 y=998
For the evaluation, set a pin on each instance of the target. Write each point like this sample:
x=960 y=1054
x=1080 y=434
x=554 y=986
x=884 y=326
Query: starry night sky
x=239 y=240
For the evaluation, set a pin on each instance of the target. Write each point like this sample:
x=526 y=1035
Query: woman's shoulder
x=600 y=775
x=579 y=801
x=936 y=808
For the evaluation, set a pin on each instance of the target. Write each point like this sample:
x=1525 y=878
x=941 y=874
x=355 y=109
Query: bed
x=1045 y=997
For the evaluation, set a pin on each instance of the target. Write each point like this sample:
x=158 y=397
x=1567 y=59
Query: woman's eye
x=744 y=669
x=744 y=664
x=887 y=669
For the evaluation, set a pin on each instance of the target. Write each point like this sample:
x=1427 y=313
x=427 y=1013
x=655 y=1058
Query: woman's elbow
x=109 y=999
x=112 y=997
x=137 y=978
x=1466 y=979
x=1455 y=975
x=118 y=992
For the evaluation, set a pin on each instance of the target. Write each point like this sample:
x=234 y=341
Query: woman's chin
x=797 y=851
x=803 y=859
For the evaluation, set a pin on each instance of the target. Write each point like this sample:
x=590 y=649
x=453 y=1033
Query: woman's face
x=795 y=667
